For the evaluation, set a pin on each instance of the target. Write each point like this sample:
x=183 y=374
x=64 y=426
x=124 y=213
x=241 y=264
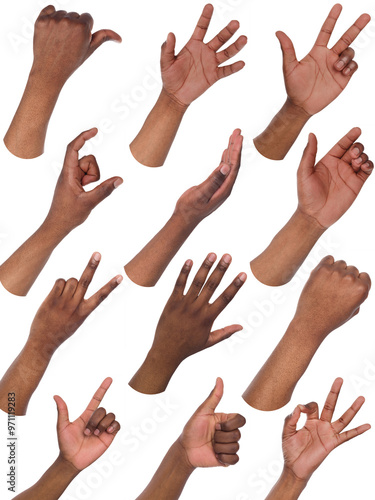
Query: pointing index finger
x=96 y=400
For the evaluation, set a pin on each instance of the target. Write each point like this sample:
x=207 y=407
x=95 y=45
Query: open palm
x=202 y=436
x=196 y=68
x=304 y=450
x=317 y=80
x=326 y=190
x=76 y=447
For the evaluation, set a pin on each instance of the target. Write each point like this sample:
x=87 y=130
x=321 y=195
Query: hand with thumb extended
x=211 y=439
x=71 y=204
x=86 y=439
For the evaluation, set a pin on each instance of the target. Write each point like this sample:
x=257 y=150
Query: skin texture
x=62 y=42
x=304 y=450
x=192 y=207
x=326 y=190
x=331 y=297
x=58 y=318
x=311 y=84
x=70 y=207
x=186 y=76
x=81 y=443
x=185 y=325
x=209 y=439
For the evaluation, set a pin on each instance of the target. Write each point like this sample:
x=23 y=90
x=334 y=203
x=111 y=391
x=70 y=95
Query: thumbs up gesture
x=211 y=439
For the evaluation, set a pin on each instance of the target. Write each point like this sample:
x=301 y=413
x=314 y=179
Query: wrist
x=295 y=112
x=53 y=229
x=171 y=103
x=290 y=483
x=181 y=457
x=304 y=327
x=155 y=373
x=65 y=469
x=307 y=223
x=45 y=84
x=184 y=219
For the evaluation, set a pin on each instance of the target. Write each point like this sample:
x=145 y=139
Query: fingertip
x=96 y=256
x=189 y=263
x=242 y=277
x=119 y=279
x=118 y=182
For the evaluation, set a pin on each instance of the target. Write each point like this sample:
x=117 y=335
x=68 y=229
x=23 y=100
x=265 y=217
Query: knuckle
x=198 y=283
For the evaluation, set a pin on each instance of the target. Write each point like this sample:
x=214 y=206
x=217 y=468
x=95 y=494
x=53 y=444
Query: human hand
x=71 y=204
x=320 y=77
x=86 y=439
x=65 y=308
x=62 y=42
x=184 y=327
x=200 y=201
x=210 y=439
x=198 y=66
x=304 y=450
x=327 y=189
x=332 y=295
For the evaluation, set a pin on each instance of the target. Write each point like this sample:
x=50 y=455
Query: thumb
x=102 y=36
x=307 y=165
x=290 y=425
x=209 y=406
x=103 y=190
x=287 y=47
x=167 y=52
x=62 y=413
x=222 y=334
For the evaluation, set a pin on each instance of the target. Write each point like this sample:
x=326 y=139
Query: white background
x=114 y=91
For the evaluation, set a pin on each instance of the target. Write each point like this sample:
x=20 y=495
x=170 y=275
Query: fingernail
x=97 y=256
x=227 y=259
x=346 y=71
x=366 y=165
x=340 y=65
x=211 y=257
x=96 y=432
x=110 y=429
x=356 y=151
x=358 y=161
x=119 y=279
x=87 y=432
x=189 y=263
x=242 y=277
x=225 y=169
x=118 y=183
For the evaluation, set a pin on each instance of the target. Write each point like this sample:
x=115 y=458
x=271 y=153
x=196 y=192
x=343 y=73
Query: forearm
x=18 y=273
x=149 y=264
x=154 y=375
x=280 y=135
x=288 y=487
x=287 y=251
x=52 y=484
x=170 y=478
x=274 y=384
x=152 y=144
x=27 y=132
x=23 y=376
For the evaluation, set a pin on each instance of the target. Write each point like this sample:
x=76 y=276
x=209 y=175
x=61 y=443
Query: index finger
x=50 y=9
x=87 y=275
x=214 y=182
x=73 y=148
x=351 y=34
x=328 y=26
x=203 y=23
x=233 y=423
x=96 y=400
x=330 y=404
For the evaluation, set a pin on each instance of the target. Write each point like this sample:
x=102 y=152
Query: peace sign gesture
x=321 y=76
x=198 y=66
x=83 y=441
x=306 y=449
